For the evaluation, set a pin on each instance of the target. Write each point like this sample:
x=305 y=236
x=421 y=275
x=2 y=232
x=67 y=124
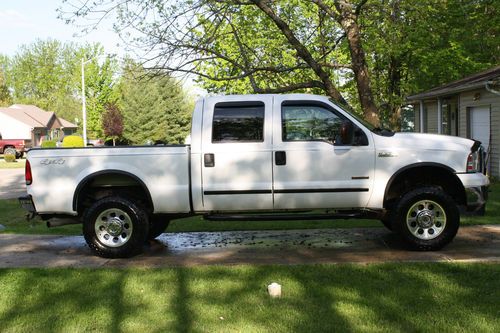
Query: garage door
x=480 y=125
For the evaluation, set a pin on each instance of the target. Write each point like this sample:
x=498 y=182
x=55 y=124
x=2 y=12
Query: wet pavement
x=358 y=245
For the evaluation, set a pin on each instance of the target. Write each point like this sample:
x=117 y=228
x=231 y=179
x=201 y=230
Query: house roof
x=474 y=81
x=33 y=116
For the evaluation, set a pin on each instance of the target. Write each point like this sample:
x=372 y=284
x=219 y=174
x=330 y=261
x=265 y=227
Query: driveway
x=359 y=245
x=12 y=184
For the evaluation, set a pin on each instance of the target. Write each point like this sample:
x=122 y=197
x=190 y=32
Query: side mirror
x=346 y=133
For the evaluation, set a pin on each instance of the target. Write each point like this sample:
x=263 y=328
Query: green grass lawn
x=17 y=164
x=12 y=217
x=437 y=297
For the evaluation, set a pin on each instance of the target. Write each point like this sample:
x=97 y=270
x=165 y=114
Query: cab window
x=302 y=121
x=238 y=122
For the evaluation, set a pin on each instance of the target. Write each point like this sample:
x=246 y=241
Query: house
x=29 y=122
x=469 y=107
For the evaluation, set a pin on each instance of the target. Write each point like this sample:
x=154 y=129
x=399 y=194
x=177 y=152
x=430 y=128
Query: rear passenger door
x=237 y=153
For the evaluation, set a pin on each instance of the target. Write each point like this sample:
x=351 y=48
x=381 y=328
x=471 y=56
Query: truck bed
x=163 y=170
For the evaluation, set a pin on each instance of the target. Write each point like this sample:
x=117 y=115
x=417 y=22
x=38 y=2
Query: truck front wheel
x=115 y=227
x=427 y=218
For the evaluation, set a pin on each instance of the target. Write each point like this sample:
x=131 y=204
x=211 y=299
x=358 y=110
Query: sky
x=24 y=21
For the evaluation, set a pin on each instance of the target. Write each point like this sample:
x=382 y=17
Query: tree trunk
x=395 y=92
x=348 y=20
x=302 y=51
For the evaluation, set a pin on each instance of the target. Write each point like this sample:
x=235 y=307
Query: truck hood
x=423 y=141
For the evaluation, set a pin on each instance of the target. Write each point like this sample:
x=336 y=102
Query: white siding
x=483 y=98
x=13 y=129
x=416 y=120
x=432 y=117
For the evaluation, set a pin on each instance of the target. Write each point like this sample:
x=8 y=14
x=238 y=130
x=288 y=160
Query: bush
x=72 y=141
x=49 y=144
x=9 y=158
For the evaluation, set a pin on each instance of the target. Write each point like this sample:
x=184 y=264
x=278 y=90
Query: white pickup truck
x=256 y=157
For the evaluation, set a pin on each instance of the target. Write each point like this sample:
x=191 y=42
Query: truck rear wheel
x=157 y=225
x=115 y=227
x=427 y=218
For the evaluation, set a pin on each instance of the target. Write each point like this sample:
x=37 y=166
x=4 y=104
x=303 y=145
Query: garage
x=480 y=125
x=475 y=100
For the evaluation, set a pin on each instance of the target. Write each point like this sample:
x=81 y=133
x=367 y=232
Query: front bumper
x=476 y=199
x=476 y=191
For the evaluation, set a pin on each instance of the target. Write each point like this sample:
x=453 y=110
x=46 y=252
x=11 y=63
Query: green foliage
x=72 y=141
x=5 y=97
x=413 y=46
x=234 y=47
x=47 y=73
x=154 y=108
x=48 y=144
x=9 y=158
x=99 y=87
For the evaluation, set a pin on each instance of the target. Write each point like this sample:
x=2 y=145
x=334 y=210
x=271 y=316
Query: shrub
x=9 y=158
x=72 y=141
x=49 y=144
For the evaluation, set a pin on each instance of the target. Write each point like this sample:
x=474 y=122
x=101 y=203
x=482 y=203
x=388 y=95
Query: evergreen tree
x=155 y=108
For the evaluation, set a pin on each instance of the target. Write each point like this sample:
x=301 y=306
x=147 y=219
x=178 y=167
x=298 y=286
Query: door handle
x=280 y=157
x=209 y=160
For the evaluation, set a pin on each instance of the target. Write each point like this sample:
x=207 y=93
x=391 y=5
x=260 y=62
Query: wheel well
x=104 y=184
x=428 y=175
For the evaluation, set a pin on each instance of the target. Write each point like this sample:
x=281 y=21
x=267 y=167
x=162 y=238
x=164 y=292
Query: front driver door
x=311 y=167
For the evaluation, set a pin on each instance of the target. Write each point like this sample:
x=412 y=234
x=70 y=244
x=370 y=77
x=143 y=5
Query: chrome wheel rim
x=113 y=227
x=426 y=219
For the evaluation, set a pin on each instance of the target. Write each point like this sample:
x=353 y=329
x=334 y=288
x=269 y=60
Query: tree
x=5 y=97
x=155 y=108
x=185 y=37
x=416 y=45
x=112 y=122
x=370 y=53
x=47 y=73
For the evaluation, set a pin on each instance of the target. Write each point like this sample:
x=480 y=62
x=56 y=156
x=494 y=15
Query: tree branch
x=301 y=50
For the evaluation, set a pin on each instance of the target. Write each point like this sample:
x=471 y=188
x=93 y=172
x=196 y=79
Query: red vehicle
x=13 y=146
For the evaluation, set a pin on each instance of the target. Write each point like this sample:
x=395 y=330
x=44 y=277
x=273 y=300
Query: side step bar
x=290 y=217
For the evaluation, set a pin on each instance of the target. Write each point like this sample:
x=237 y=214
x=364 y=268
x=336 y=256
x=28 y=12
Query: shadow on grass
x=316 y=298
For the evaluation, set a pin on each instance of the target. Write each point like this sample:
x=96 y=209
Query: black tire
x=387 y=223
x=157 y=225
x=426 y=218
x=10 y=151
x=122 y=238
x=19 y=155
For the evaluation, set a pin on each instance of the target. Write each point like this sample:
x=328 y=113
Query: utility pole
x=84 y=107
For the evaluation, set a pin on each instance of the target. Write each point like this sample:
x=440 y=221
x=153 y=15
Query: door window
x=236 y=122
x=309 y=123
x=314 y=122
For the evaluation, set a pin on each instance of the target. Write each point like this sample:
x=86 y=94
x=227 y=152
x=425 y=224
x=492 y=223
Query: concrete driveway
x=12 y=184
x=359 y=245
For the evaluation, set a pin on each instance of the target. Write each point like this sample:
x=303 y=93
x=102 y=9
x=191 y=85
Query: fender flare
x=89 y=177
x=418 y=165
